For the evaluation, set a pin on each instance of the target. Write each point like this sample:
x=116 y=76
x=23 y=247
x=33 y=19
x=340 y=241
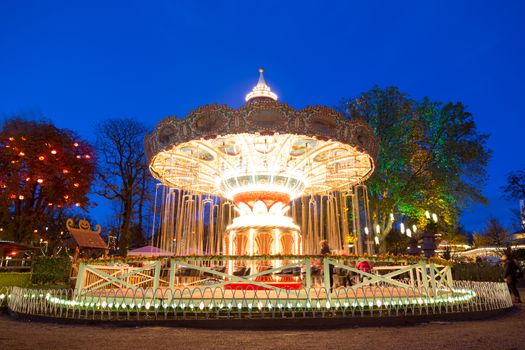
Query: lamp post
x=412 y=247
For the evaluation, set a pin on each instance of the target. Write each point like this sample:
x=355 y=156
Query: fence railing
x=8 y=264
x=210 y=303
x=266 y=273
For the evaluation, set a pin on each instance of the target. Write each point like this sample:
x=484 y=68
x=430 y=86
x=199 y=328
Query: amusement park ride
x=246 y=195
x=264 y=179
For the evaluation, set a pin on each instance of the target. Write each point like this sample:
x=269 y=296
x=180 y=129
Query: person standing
x=365 y=266
x=512 y=273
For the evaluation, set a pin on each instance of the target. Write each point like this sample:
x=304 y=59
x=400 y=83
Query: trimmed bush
x=15 y=279
x=483 y=272
x=51 y=270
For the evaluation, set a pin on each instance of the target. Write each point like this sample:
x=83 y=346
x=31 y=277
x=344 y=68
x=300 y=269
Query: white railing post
x=171 y=284
x=308 y=277
x=81 y=276
x=424 y=273
x=156 y=277
x=326 y=276
x=431 y=267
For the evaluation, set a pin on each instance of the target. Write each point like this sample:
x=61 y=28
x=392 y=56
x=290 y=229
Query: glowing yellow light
x=263 y=220
x=77 y=204
x=75 y=144
x=11 y=139
x=53 y=152
x=40 y=181
x=41 y=158
x=65 y=171
x=276 y=240
x=250 y=240
x=286 y=163
x=21 y=154
x=76 y=184
x=261 y=173
x=78 y=157
x=261 y=89
x=21 y=197
x=230 y=243
x=66 y=196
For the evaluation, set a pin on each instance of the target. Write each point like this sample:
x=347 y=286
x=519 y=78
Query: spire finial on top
x=261 y=89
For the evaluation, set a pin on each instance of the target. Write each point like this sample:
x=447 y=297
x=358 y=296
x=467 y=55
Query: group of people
x=362 y=265
x=512 y=271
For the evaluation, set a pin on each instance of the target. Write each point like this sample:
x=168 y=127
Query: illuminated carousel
x=263 y=179
x=245 y=196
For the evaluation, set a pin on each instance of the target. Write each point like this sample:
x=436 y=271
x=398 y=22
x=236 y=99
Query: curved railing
x=217 y=303
x=266 y=272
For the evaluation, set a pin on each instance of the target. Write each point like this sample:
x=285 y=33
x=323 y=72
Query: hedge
x=484 y=272
x=51 y=270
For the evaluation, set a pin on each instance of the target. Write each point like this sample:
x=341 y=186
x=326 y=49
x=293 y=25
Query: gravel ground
x=505 y=332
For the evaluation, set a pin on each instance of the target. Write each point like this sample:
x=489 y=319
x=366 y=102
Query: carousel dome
x=264 y=145
x=261 y=90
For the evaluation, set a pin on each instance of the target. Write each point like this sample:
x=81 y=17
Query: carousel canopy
x=264 y=145
x=232 y=176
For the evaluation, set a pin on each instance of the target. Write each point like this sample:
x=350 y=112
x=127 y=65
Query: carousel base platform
x=197 y=303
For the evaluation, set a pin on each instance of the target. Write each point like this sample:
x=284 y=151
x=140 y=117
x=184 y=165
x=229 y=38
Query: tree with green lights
x=431 y=158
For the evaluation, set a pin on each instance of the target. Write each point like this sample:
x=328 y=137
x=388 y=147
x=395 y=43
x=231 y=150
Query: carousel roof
x=316 y=149
x=261 y=90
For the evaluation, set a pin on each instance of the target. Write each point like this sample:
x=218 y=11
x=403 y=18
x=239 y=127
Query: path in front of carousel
x=502 y=332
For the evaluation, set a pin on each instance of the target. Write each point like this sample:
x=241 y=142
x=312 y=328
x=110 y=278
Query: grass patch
x=15 y=279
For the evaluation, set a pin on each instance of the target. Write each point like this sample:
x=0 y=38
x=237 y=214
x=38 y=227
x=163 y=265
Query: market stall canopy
x=88 y=240
x=149 y=250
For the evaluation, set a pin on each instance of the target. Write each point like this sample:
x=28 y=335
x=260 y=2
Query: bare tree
x=123 y=174
x=495 y=234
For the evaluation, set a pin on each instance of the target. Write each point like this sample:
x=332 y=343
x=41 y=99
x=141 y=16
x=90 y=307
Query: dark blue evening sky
x=81 y=62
